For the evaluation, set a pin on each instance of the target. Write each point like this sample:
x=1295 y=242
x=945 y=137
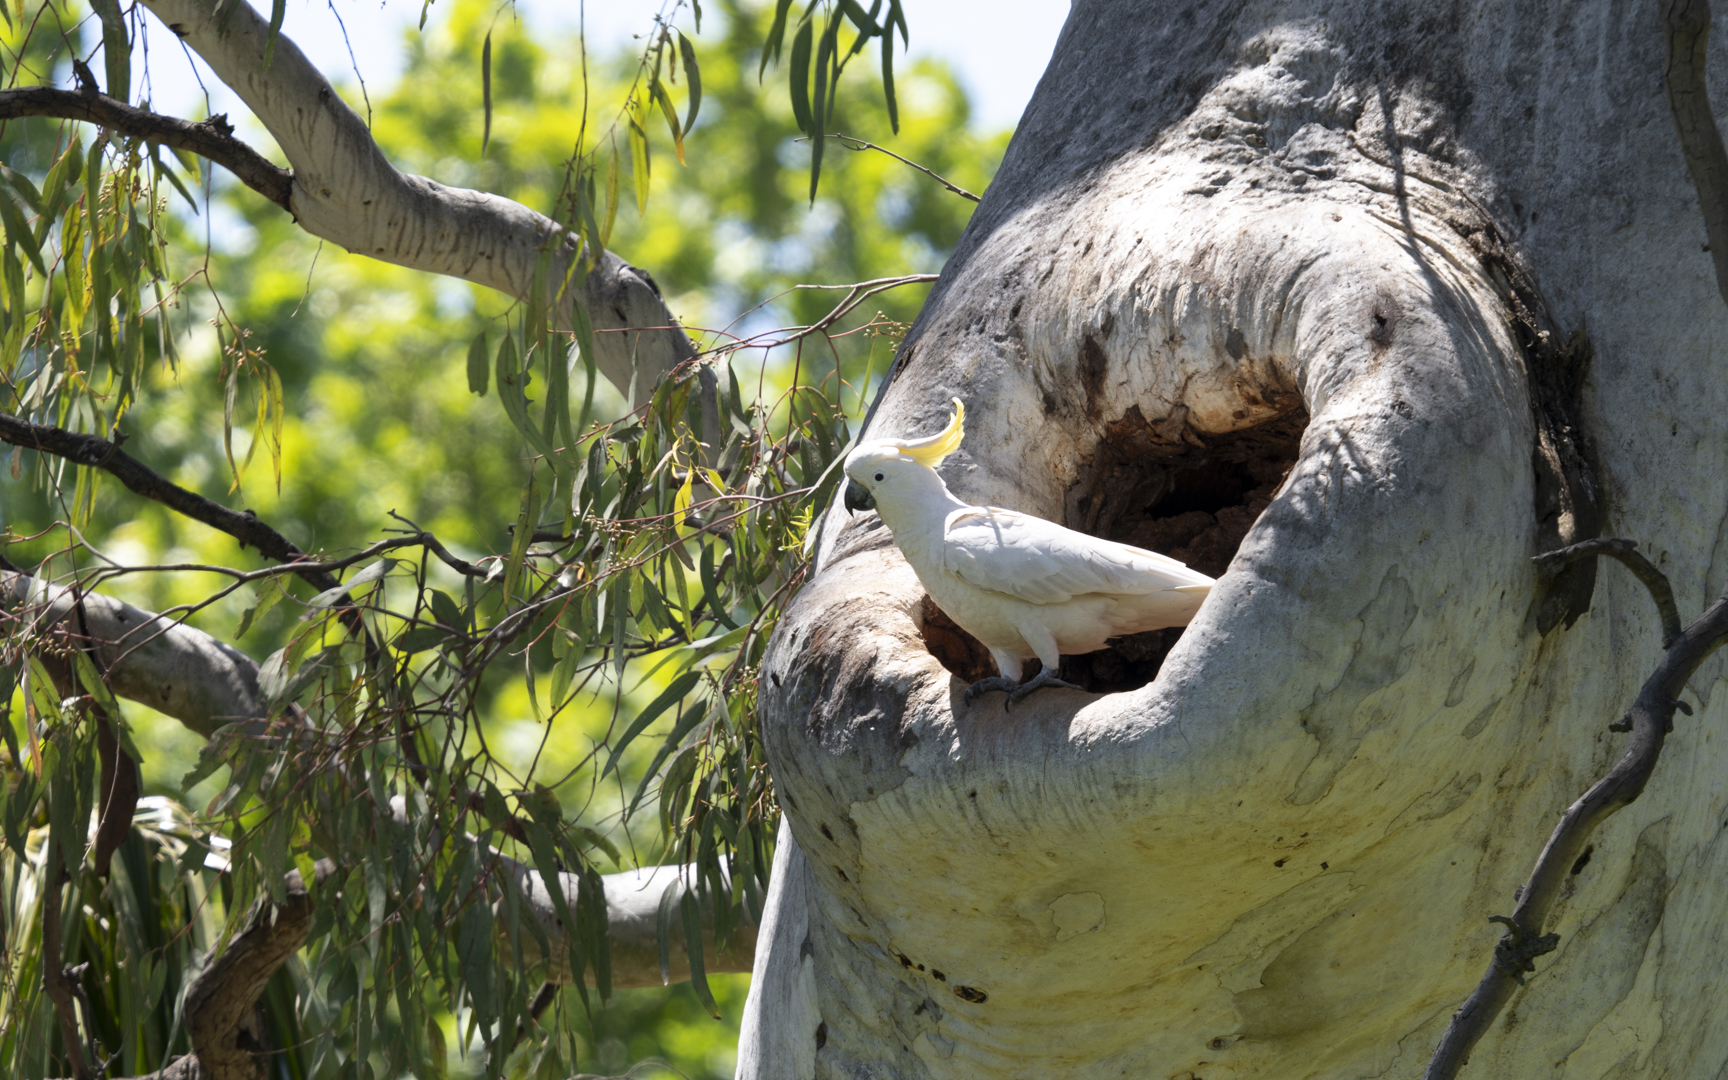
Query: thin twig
x=857 y=293
x=461 y=566
x=302 y=566
x=547 y=995
x=96 y=452
x=855 y=144
x=1649 y=719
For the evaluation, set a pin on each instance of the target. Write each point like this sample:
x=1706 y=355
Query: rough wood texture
x=222 y=1000
x=1276 y=859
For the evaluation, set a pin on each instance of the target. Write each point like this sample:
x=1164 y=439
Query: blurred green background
x=371 y=357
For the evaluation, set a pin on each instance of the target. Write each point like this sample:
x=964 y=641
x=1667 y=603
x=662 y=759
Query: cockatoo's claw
x=1044 y=678
x=985 y=686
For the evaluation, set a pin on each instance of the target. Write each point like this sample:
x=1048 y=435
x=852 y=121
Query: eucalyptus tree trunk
x=1397 y=296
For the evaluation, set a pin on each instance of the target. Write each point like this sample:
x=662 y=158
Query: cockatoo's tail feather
x=930 y=451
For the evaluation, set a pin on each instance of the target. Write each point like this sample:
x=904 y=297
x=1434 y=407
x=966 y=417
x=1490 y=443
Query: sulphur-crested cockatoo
x=1021 y=585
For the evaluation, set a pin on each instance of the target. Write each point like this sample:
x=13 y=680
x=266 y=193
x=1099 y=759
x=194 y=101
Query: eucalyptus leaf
x=478 y=368
x=365 y=577
x=668 y=697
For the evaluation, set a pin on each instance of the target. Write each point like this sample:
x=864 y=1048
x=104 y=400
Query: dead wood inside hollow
x=1161 y=486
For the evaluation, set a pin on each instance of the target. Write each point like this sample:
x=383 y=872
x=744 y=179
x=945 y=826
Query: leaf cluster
x=544 y=667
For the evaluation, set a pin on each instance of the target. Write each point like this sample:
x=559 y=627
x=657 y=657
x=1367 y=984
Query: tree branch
x=1687 y=25
x=185 y=673
x=633 y=923
x=345 y=191
x=99 y=453
x=222 y=1001
x=205 y=683
x=222 y=998
x=1626 y=551
x=1650 y=719
x=213 y=138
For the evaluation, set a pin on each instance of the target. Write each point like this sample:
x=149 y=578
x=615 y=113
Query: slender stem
x=54 y=978
x=855 y=144
x=99 y=453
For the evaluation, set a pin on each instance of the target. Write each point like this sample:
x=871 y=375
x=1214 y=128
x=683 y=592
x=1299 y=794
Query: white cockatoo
x=1021 y=585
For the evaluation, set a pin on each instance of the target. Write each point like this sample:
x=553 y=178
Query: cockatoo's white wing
x=1043 y=563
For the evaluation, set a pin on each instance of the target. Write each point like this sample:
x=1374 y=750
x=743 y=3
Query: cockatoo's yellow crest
x=930 y=452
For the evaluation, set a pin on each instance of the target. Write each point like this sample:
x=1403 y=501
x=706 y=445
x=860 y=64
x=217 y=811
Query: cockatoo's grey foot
x=985 y=686
x=1016 y=690
x=1045 y=677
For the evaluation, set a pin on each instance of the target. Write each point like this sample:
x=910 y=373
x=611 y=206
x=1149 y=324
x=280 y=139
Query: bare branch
x=1687 y=23
x=1627 y=552
x=1650 y=719
x=221 y=999
x=213 y=138
x=99 y=453
x=856 y=293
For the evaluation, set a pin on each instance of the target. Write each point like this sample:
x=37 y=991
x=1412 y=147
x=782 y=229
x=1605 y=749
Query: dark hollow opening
x=1161 y=486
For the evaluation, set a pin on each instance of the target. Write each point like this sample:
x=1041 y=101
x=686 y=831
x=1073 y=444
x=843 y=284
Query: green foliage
x=815 y=80
x=572 y=688
x=147 y=928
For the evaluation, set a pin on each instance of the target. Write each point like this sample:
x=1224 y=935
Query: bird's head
x=883 y=466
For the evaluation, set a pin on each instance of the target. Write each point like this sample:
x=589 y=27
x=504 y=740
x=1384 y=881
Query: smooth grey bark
x=1278 y=858
x=176 y=670
x=346 y=191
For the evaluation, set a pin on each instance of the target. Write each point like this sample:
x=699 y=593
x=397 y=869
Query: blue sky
x=998 y=47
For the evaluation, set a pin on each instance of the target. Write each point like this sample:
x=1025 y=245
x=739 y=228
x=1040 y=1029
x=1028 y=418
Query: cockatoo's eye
x=878 y=478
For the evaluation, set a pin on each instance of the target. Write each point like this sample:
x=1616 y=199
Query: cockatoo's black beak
x=858 y=498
